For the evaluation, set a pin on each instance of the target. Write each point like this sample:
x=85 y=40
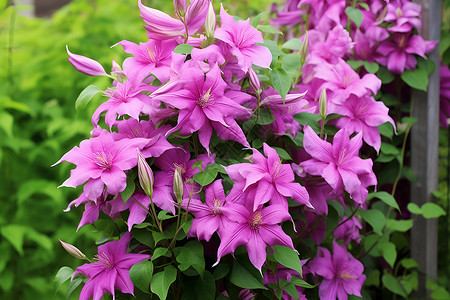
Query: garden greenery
x=268 y=139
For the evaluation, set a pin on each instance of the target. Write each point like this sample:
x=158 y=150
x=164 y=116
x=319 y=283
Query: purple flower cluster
x=188 y=100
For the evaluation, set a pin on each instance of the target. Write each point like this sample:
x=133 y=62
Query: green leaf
x=432 y=210
x=399 y=225
x=221 y=271
x=388 y=251
x=15 y=235
x=85 y=97
x=243 y=278
x=257 y=19
x=355 y=64
x=417 y=78
x=41 y=239
x=131 y=187
x=273 y=47
x=160 y=252
x=393 y=285
x=371 y=67
x=207 y=176
x=410 y=121
x=205 y=287
x=287 y=257
x=301 y=283
x=310 y=119
x=375 y=218
x=6 y=280
x=373 y=278
x=409 y=263
x=281 y=81
x=141 y=275
x=191 y=254
x=183 y=49
x=282 y=153
x=414 y=208
x=292 y=291
x=63 y=275
x=143 y=236
x=73 y=286
x=384 y=75
x=265 y=117
x=293 y=44
x=385 y=197
x=198 y=165
x=389 y=149
x=268 y=29
x=6 y=255
x=6 y=123
x=161 y=281
x=355 y=15
x=165 y=215
x=386 y=130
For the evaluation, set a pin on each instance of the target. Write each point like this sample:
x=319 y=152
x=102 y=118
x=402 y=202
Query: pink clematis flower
x=266 y=180
x=111 y=271
x=101 y=161
x=152 y=57
x=204 y=104
x=342 y=273
x=241 y=38
x=254 y=229
x=208 y=216
x=126 y=99
x=362 y=115
x=405 y=15
x=444 y=100
x=342 y=81
x=339 y=164
x=349 y=230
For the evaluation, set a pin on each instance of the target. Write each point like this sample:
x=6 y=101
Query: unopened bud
x=145 y=175
x=210 y=23
x=178 y=185
x=254 y=80
x=117 y=69
x=180 y=7
x=74 y=251
x=304 y=49
x=85 y=65
x=323 y=104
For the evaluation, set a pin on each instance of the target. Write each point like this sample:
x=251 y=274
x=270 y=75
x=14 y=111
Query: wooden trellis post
x=424 y=153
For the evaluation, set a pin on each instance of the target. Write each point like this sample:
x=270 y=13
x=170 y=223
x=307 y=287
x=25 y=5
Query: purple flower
x=444 y=96
x=85 y=65
x=111 y=271
x=126 y=99
x=204 y=104
x=207 y=216
x=405 y=15
x=101 y=161
x=241 y=38
x=339 y=164
x=362 y=115
x=254 y=229
x=265 y=180
x=342 y=273
x=349 y=230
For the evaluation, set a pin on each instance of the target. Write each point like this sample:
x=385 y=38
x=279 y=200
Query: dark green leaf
x=161 y=281
x=385 y=197
x=6 y=123
x=160 y=252
x=183 y=49
x=265 y=117
x=221 y=271
x=393 y=285
x=129 y=190
x=301 y=283
x=85 y=97
x=141 y=275
x=165 y=215
x=384 y=75
x=288 y=258
x=243 y=278
x=282 y=153
x=191 y=254
x=386 y=130
x=15 y=235
x=205 y=287
x=281 y=81
x=417 y=78
x=375 y=218
x=388 y=251
x=310 y=119
x=73 y=286
x=389 y=149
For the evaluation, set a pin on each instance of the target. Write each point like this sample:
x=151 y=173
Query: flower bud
x=304 y=49
x=254 y=80
x=74 y=251
x=180 y=7
x=178 y=185
x=323 y=104
x=85 y=65
x=210 y=23
x=145 y=175
x=120 y=74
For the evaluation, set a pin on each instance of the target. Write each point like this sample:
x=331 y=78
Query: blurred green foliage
x=38 y=124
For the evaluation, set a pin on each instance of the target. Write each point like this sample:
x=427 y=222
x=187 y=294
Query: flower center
x=206 y=99
x=255 y=220
x=217 y=207
x=181 y=168
x=341 y=157
x=399 y=12
x=102 y=160
x=105 y=259
x=151 y=55
x=344 y=275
